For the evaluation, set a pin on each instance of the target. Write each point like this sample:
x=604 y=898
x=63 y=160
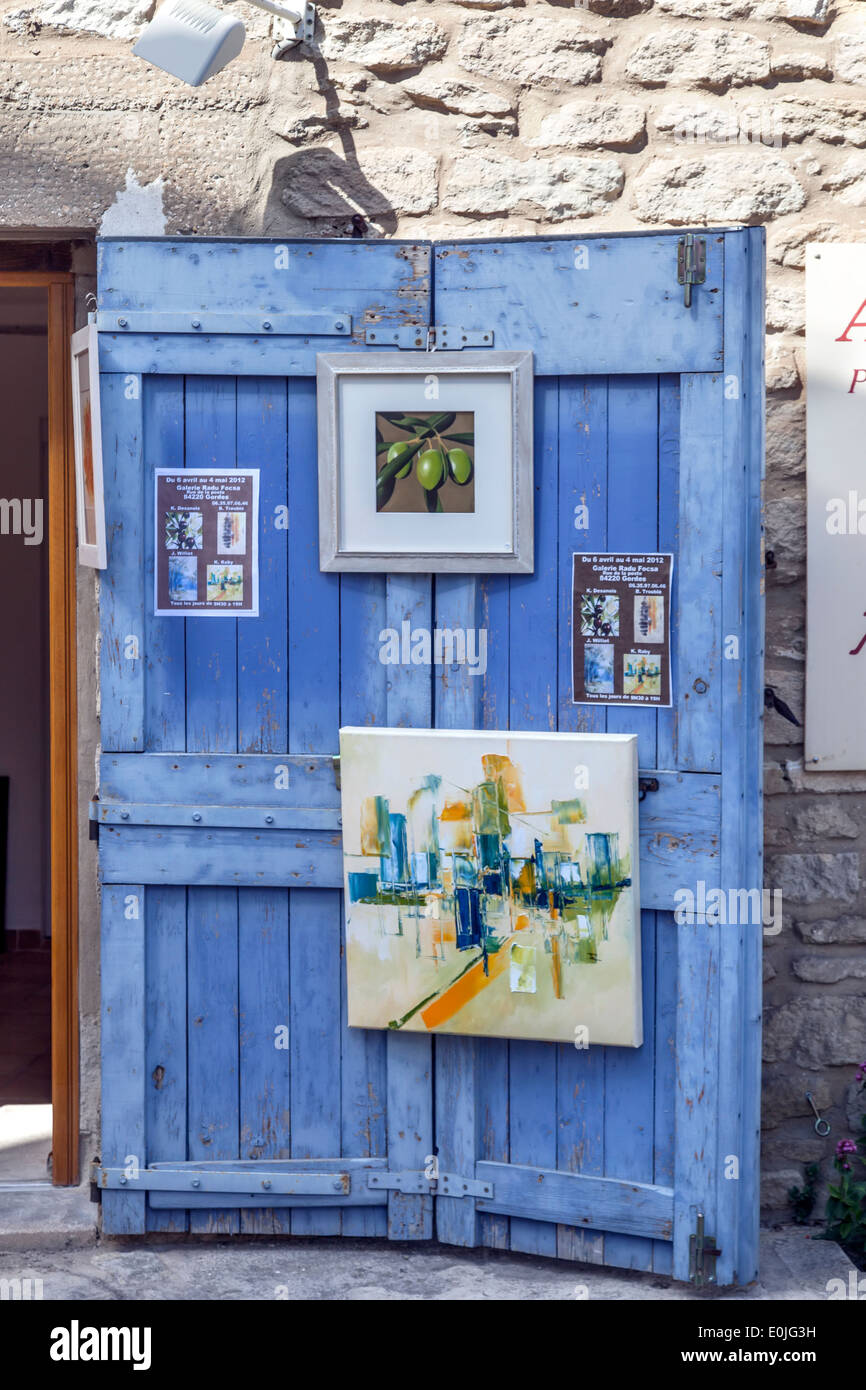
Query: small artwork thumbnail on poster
x=184 y=530
x=599 y=615
x=641 y=674
x=182 y=578
x=649 y=617
x=225 y=583
x=598 y=668
x=232 y=533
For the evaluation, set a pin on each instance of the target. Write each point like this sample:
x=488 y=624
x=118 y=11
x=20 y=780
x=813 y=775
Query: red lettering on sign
x=856 y=322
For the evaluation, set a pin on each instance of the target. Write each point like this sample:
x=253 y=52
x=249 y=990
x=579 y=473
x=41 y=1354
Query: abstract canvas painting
x=491 y=883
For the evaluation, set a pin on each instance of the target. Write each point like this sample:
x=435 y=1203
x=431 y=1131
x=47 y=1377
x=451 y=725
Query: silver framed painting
x=425 y=462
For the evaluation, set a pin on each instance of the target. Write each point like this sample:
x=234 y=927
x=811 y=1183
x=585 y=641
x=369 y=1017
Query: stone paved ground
x=794 y=1268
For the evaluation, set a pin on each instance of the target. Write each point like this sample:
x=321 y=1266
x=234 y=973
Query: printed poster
x=621 y=626
x=206 y=544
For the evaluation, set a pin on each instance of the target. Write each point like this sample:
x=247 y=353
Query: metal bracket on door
x=691 y=264
x=201 y=322
x=447 y=337
x=446 y=1185
x=209 y=1180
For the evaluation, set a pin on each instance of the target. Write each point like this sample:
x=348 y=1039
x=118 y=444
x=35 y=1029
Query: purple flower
x=845 y=1146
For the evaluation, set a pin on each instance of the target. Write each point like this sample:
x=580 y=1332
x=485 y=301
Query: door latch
x=703 y=1254
x=691 y=264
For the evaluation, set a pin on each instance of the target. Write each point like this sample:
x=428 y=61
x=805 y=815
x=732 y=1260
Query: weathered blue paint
x=219 y=802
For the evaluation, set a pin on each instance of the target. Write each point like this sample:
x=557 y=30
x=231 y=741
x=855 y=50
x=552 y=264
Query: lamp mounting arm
x=303 y=23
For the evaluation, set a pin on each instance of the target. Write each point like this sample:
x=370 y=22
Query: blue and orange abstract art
x=491 y=883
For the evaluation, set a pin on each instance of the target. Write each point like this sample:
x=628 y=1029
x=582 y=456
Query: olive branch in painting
x=435 y=454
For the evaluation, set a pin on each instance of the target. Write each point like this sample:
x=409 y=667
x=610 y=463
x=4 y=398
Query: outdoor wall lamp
x=192 y=40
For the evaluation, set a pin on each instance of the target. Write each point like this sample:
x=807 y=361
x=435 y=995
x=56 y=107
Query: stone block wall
x=524 y=117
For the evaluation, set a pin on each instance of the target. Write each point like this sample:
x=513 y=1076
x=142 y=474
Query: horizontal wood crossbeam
x=274 y=820
x=598 y=1204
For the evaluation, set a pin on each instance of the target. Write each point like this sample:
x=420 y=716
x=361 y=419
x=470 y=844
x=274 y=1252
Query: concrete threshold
x=37 y=1216
x=50 y=1234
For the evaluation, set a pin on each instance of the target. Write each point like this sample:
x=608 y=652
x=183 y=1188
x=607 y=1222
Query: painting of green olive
x=425 y=462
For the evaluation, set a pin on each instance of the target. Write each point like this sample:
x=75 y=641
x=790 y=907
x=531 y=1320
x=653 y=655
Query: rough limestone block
x=725 y=186
x=555 y=189
x=715 y=58
x=532 y=52
x=592 y=125
x=810 y=878
x=825 y=1030
x=382 y=45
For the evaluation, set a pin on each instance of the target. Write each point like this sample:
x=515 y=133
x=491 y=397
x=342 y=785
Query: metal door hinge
x=446 y=1185
x=446 y=337
x=702 y=1255
x=691 y=263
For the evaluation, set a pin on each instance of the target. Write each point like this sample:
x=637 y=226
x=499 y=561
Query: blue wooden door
x=234 y=1096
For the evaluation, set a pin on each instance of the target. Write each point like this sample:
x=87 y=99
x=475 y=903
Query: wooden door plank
x=588 y=304
x=376 y=282
x=534 y=706
x=211 y=643
x=410 y=1055
x=121 y=599
x=165 y=974
x=262 y=443
x=212 y=1031
x=315 y=915
x=164 y=638
x=264 y=1036
x=123 y=1052
x=364 y=1068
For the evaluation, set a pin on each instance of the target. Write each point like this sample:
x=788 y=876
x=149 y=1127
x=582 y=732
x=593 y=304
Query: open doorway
x=38 y=1020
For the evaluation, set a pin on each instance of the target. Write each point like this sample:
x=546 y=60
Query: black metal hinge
x=691 y=263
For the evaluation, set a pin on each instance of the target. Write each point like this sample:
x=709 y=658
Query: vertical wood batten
x=263 y=1008
x=121 y=671
x=165 y=972
x=212 y=1030
x=632 y=525
x=698 y=613
x=211 y=643
x=668 y=542
x=410 y=1055
x=583 y=461
x=492 y=1083
x=316 y=963
x=456 y=706
x=122 y=968
x=363 y=701
x=740 y=942
x=164 y=638
x=534 y=706
x=261 y=652
x=699 y=748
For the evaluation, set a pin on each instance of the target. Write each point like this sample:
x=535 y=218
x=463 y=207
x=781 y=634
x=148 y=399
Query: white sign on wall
x=836 y=507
